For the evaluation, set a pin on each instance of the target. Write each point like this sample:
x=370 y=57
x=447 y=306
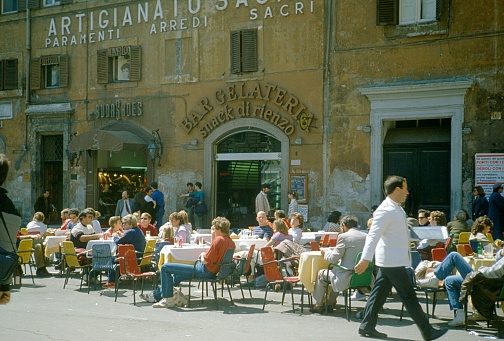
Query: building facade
x=324 y=97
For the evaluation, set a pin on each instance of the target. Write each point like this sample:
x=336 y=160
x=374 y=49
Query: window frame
x=55 y=3
x=106 y=64
x=244 y=51
x=39 y=68
x=9 y=74
x=388 y=12
x=418 y=4
x=11 y=12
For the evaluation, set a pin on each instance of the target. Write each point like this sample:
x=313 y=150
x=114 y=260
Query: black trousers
x=398 y=278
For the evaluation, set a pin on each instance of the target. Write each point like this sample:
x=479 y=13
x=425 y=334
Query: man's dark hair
x=425 y=212
x=280 y=213
x=334 y=217
x=350 y=221
x=199 y=185
x=392 y=182
x=189 y=184
x=74 y=211
x=154 y=184
x=85 y=212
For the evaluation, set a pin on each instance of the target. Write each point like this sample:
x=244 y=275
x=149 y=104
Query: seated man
x=145 y=225
x=263 y=230
x=173 y=273
x=350 y=242
x=83 y=232
x=453 y=283
x=38 y=247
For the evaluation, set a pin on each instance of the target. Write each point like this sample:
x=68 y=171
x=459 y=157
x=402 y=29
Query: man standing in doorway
x=388 y=241
x=124 y=205
x=158 y=197
x=43 y=204
x=261 y=202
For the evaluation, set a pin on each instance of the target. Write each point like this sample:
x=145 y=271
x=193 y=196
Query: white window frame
x=55 y=73
x=416 y=11
x=50 y=3
x=120 y=74
x=3 y=6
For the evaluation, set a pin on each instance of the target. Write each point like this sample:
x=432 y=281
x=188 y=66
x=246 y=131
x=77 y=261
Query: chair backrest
x=270 y=266
x=25 y=250
x=24 y=230
x=461 y=249
x=333 y=242
x=317 y=239
x=69 y=253
x=325 y=241
x=464 y=237
x=102 y=257
x=365 y=278
x=474 y=245
x=447 y=243
x=148 y=252
x=227 y=265
x=128 y=263
x=416 y=258
x=157 y=250
x=438 y=254
x=314 y=245
x=249 y=259
x=468 y=249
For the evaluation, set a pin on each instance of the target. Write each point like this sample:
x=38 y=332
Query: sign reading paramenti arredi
x=489 y=169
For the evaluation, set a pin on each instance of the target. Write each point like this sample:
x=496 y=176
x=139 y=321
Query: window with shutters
x=119 y=64
x=9 y=6
x=49 y=3
x=244 y=51
x=49 y=72
x=407 y=12
x=8 y=74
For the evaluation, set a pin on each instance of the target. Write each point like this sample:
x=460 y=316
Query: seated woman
x=281 y=233
x=132 y=235
x=180 y=230
x=296 y=230
x=174 y=273
x=185 y=220
x=145 y=225
x=480 y=228
x=165 y=231
x=115 y=224
x=333 y=221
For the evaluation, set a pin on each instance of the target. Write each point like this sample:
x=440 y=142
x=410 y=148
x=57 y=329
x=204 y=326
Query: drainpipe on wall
x=327 y=91
x=28 y=53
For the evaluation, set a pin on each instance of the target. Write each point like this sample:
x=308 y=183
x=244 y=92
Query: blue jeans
x=159 y=217
x=453 y=283
x=173 y=273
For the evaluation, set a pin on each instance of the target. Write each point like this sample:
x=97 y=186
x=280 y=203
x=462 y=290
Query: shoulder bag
x=8 y=259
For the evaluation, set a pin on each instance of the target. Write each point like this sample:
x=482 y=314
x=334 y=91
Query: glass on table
x=147 y=234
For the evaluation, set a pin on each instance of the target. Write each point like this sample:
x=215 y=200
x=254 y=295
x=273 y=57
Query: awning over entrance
x=108 y=140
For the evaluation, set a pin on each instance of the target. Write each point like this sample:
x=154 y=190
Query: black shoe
x=42 y=272
x=58 y=266
x=372 y=334
x=436 y=334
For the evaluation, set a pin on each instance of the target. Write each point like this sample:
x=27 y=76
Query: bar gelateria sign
x=268 y=102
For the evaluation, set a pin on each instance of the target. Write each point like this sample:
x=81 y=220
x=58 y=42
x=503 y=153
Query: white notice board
x=488 y=169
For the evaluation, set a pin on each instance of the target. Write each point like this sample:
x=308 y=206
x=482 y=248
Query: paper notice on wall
x=488 y=169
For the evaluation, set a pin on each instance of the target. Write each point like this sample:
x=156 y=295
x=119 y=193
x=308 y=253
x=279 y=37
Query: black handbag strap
x=7 y=230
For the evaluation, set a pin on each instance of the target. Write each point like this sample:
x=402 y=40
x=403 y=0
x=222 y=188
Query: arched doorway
x=239 y=157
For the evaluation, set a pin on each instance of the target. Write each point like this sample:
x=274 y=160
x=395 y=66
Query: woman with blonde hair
x=281 y=233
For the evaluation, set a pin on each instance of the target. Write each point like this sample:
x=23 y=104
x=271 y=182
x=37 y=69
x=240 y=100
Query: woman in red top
x=145 y=225
x=173 y=273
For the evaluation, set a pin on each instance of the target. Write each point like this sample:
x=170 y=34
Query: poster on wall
x=299 y=183
x=488 y=169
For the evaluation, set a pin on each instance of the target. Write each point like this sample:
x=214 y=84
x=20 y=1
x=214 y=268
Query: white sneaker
x=476 y=316
x=357 y=296
x=459 y=319
x=148 y=297
x=168 y=302
x=431 y=282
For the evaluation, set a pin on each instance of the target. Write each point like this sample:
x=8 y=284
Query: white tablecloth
x=52 y=244
x=186 y=254
x=113 y=245
x=259 y=243
x=307 y=237
x=206 y=237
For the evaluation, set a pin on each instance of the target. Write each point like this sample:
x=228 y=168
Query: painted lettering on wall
x=268 y=102
x=161 y=16
x=118 y=110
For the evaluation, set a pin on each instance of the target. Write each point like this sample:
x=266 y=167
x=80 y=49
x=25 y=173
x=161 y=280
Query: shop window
x=119 y=64
x=8 y=74
x=407 y=12
x=9 y=6
x=244 y=51
x=178 y=57
x=49 y=72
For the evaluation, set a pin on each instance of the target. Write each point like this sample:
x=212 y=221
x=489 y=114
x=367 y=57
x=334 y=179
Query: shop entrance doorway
x=245 y=160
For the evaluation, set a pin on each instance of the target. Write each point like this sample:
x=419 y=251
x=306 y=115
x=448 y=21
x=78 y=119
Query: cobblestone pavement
x=46 y=311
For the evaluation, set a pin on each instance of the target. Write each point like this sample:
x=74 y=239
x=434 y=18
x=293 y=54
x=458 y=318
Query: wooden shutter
x=1 y=74
x=66 y=2
x=35 y=71
x=10 y=74
x=235 y=52
x=135 y=63
x=249 y=50
x=387 y=12
x=63 y=65
x=31 y=4
x=102 y=67
x=439 y=8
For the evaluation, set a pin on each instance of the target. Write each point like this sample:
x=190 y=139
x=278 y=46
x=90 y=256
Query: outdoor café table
x=259 y=243
x=307 y=237
x=52 y=244
x=113 y=245
x=187 y=254
x=310 y=263
x=477 y=262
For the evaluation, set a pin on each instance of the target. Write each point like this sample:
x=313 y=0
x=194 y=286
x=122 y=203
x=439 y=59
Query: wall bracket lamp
x=155 y=147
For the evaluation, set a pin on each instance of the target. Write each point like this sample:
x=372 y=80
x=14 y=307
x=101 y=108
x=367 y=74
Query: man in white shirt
x=261 y=202
x=388 y=242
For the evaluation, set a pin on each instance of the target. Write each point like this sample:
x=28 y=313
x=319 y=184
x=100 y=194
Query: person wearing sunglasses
x=423 y=217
